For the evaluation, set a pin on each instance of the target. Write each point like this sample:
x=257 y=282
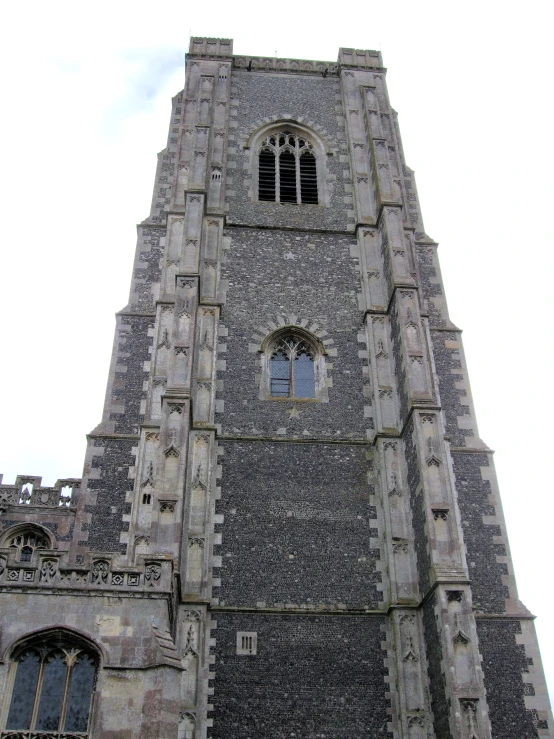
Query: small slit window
x=247 y=642
x=287 y=170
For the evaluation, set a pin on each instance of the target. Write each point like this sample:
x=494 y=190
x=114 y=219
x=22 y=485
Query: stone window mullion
x=297 y=166
x=277 y=172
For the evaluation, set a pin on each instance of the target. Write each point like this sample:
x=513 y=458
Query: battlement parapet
x=219 y=47
x=28 y=491
x=49 y=569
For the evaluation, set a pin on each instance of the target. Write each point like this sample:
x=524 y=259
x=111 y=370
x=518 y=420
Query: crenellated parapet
x=28 y=491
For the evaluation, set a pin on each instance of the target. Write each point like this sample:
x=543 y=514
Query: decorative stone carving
x=48 y=570
x=100 y=570
x=152 y=573
x=454 y=596
x=167 y=506
x=469 y=714
x=187 y=724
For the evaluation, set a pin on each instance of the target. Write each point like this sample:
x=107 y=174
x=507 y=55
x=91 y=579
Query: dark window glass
x=24 y=691
x=308 y=178
x=304 y=379
x=26 y=554
x=80 y=693
x=287 y=171
x=52 y=693
x=287 y=177
x=266 y=176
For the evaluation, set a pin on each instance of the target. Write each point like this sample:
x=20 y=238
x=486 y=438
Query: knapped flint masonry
x=287 y=524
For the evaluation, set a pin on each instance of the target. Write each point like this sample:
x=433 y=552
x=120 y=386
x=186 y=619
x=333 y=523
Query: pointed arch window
x=26 y=540
x=52 y=688
x=287 y=169
x=293 y=366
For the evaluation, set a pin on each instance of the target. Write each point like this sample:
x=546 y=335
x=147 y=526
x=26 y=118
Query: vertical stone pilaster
x=401 y=555
x=441 y=510
x=414 y=348
x=371 y=264
x=413 y=719
x=190 y=254
x=453 y=616
x=211 y=255
x=199 y=496
x=382 y=375
x=217 y=175
x=395 y=254
x=358 y=144
x=205 y=364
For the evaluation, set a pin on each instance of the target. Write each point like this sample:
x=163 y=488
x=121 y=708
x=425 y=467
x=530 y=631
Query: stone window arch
x=26 y=539
x=51 y=685
x=293 y=366
x=288 y=164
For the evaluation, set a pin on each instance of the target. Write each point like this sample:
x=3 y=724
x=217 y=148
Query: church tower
x=287 y=524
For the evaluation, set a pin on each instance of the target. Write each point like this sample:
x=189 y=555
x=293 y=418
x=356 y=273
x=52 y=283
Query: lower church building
x=287 y=525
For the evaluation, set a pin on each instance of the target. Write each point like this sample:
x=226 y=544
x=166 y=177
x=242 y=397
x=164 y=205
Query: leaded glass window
x=291 y=369
x=26 y=542
x=53 y=687
x=287 y=171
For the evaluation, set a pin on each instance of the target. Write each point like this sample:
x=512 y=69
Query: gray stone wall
x=482 y=537
x=268 y=270
x=505 y=664
x=297 y=527
x=108 y=486
x=312 y=676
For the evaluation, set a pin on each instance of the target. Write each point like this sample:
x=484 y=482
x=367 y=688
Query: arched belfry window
x=287 y=169
x=53 y=684
x=294 y=366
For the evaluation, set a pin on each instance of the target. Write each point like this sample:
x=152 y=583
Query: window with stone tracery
x=291 y=369
x=287 y=169
x=293 y=366
x=52 y=689
x=25 y=542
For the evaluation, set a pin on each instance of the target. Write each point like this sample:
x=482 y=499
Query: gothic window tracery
x=287 y=169
x=292 y=369
x=293 y=365
x=25 y=542
x=53 y=687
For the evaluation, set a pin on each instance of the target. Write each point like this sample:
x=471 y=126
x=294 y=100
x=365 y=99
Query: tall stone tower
x=287 y=525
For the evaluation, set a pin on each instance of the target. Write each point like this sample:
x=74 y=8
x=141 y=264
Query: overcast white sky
x=86 y=90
